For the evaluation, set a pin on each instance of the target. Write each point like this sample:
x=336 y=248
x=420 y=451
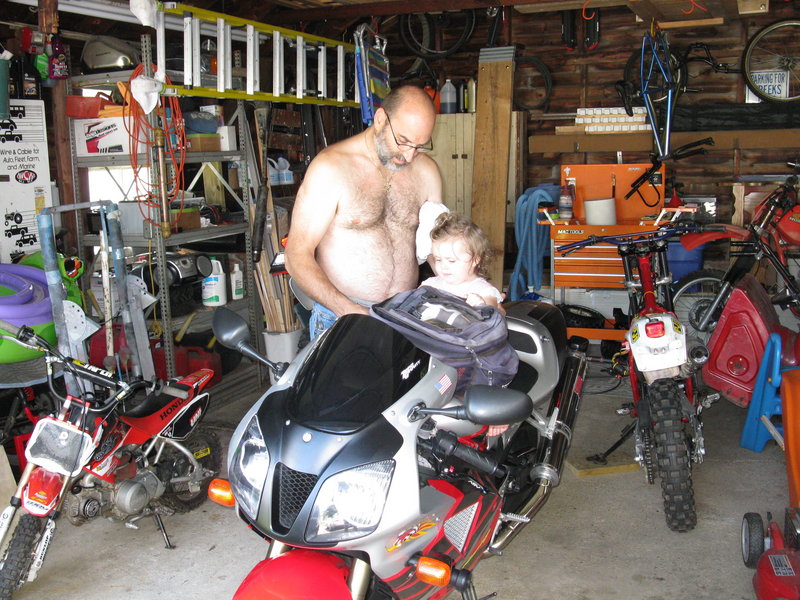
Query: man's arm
x=313 y=214
x=433 y=180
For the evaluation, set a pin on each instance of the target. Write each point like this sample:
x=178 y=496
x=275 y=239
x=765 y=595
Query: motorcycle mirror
x=496 y=406
x=231 y=331
x=229 y=328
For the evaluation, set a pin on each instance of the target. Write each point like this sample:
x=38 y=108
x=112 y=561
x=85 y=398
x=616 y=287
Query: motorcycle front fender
x=297 y=575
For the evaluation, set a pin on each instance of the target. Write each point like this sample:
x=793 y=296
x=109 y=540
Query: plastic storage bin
x=682 y=261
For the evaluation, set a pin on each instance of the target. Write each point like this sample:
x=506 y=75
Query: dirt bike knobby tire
x=672 y=455
x=204 y=444
x=19 y=554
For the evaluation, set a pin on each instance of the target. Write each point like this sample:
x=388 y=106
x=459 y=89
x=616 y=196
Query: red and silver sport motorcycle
x=113 y=453
x=359 y=469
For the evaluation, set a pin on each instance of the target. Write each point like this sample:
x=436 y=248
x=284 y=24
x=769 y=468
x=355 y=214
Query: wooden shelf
x=742 y=139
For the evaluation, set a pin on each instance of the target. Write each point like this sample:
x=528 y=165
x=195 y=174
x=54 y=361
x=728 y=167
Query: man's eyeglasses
x=427 y=147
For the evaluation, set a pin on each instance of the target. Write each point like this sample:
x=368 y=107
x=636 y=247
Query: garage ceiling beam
x=400 y=7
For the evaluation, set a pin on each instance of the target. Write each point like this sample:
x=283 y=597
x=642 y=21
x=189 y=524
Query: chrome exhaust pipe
x=698 y=354
x=546 y=472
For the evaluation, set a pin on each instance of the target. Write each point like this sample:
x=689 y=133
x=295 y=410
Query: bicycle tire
x=774 y=47
x=547 y=81
x=632 y=74
x=416 y=46
x=691 y=296
x=425 y=27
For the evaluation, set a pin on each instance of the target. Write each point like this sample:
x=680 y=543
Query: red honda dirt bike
x=661 y=362
x=113 y=454
x=732 y=312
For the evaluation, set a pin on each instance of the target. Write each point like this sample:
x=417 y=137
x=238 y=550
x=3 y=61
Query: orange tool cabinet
x=600 y=266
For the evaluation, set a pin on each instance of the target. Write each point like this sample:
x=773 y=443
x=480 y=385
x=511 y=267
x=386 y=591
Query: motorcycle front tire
x=671 y=443
x=205 y=446
x=18 y=557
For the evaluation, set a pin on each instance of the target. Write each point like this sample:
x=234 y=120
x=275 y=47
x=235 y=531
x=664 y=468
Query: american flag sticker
x=443 y=384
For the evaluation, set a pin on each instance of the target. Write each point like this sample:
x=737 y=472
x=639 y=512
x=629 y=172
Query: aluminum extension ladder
x=227 y=30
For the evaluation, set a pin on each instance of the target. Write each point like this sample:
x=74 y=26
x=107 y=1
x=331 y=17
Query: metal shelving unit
x=153 y=236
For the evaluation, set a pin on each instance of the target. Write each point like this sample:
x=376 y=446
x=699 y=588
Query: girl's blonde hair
x=455 y=225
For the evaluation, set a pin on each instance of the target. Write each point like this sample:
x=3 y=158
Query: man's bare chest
x=375 y=207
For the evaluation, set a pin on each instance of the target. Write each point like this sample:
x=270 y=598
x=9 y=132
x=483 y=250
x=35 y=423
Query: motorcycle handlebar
x=447 y=443
x=12 y=329
x=640 y=237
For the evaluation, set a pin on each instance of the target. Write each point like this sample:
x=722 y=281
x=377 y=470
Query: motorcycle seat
x=151 y=403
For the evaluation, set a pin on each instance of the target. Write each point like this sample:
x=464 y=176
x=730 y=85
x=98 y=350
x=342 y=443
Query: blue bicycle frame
x=655 y=63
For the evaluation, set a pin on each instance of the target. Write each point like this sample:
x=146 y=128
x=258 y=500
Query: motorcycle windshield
x=359 y=369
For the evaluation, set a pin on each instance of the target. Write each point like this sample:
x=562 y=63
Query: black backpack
x=472 y=339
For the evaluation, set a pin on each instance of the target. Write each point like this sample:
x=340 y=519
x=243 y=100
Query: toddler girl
x=459 y=251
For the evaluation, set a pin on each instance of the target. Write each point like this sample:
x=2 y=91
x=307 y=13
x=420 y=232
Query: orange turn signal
x=432 y=571
x=219 y=491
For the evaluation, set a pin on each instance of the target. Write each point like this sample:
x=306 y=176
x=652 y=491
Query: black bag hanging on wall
x=472 y=339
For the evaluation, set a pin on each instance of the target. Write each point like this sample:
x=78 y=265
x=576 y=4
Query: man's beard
x=386 y=156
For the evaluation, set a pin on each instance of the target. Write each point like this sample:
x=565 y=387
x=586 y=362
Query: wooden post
x=491 y=155
x=66 y=186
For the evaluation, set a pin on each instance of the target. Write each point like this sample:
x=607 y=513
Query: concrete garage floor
x=600 y=537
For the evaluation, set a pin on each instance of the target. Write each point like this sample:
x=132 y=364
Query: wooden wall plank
x=490 y=175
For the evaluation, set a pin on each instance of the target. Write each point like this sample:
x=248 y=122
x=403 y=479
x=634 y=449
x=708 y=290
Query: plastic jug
x=237 y=283
x=284 y=174
x=215 y=288
x=448 y=98
x=274 y=172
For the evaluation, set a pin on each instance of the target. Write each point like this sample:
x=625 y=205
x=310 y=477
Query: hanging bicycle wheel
x=533 y=84
x=632 y=74
x=771 y=62
x=460 y=23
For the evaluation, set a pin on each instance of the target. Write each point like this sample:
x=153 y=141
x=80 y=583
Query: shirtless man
x=352 y=237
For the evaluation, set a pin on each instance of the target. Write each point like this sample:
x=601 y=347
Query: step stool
x=766 y=400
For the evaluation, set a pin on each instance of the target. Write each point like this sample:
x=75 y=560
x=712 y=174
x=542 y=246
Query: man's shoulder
x=336 y=157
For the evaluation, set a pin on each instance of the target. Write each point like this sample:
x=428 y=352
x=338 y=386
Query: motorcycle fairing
x=296 y=575
x=468 y=519
x=300 y=452
x=540 y=362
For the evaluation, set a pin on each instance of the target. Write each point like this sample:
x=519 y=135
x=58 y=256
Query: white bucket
x=600 y=212
x=281 y=347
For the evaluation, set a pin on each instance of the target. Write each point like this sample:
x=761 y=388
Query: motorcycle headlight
x=248 y=469
x=350 y=504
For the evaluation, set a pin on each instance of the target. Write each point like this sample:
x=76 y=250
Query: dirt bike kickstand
x=163 y=531
x=600 y=459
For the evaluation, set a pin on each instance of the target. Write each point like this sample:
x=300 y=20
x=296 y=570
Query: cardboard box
x=203 y=142
x=227 y=138
x=186 y=220
x=102 y=136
